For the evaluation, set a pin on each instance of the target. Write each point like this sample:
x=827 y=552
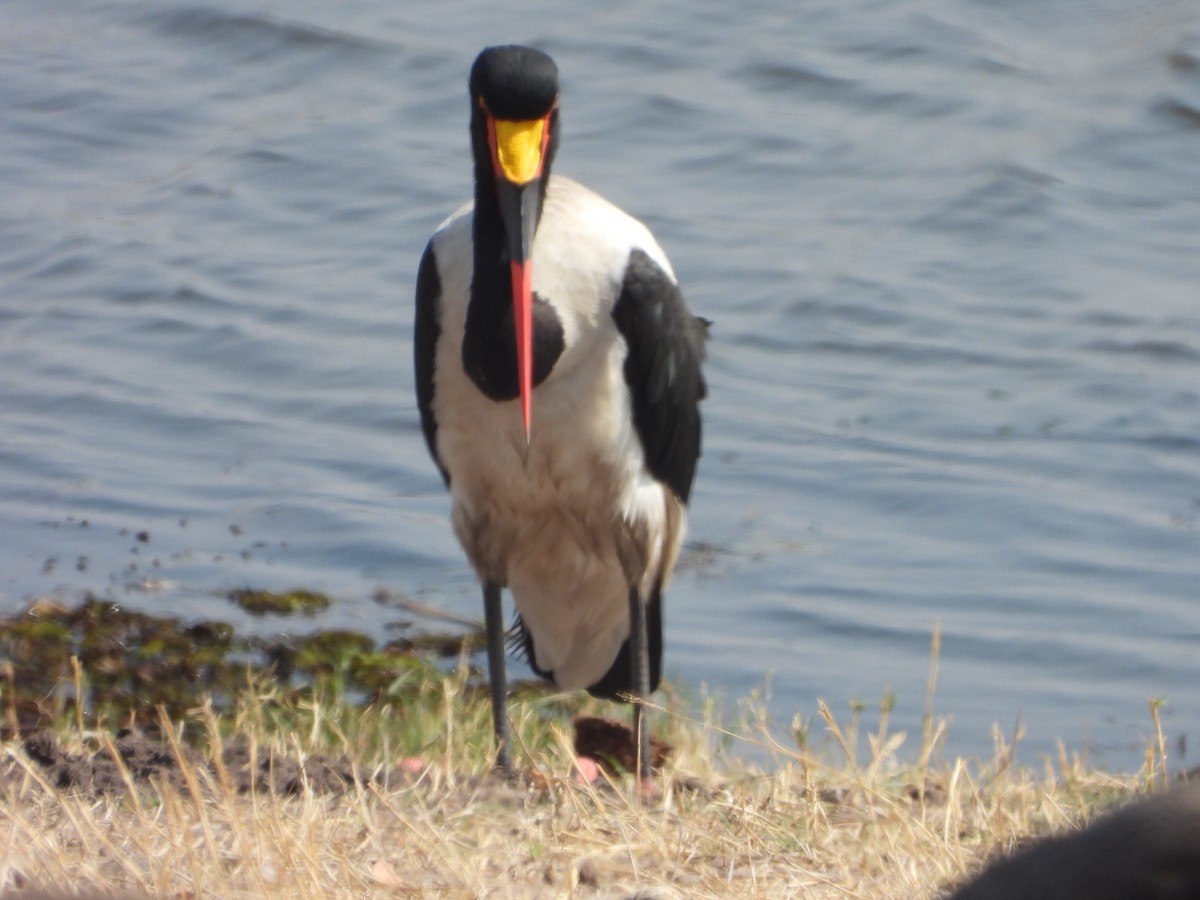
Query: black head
x=515 y=82
x=514 y=133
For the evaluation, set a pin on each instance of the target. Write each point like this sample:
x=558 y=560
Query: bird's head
x=514 y=132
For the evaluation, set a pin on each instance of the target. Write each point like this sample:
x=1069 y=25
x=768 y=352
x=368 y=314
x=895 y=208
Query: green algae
x=100 y=661
x=262 y=603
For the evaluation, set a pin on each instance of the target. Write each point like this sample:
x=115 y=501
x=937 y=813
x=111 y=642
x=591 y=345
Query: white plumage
x=554 y=518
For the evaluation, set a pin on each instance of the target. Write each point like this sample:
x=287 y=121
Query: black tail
x=618 y=679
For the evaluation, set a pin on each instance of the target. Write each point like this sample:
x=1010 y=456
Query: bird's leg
x=639 y=651
x=493 y=618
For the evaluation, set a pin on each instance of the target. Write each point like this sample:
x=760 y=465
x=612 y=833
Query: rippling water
x=950 y=247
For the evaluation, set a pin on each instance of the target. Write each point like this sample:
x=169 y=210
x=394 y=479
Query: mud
x=612 y=745
x=137 y=759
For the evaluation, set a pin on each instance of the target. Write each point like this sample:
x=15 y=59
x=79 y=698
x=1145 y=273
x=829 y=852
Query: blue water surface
x=950 y=248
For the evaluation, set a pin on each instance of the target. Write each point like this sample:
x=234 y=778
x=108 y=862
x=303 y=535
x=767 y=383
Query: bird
x=558 y=381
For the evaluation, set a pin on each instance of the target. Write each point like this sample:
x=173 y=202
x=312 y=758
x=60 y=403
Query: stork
x=558 y=382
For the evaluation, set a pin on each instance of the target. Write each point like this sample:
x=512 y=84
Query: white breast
x=570 y=520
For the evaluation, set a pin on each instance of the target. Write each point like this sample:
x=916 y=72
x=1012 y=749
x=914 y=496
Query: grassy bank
x=303 y=783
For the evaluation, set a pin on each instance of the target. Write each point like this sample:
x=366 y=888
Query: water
x=950 y=248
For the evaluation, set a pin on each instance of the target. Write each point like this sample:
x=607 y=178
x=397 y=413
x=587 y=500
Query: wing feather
x=426 y=333
x=662 y=370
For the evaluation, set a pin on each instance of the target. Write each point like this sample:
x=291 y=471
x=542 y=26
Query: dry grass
x=844 y=822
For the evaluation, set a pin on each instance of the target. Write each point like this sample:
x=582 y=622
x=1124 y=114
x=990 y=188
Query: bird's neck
x=491 y=290
x=489 y=351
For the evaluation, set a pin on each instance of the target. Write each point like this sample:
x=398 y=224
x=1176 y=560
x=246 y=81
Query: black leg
x=639 y=650
x=493 y=618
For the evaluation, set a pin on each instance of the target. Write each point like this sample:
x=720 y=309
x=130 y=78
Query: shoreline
x=360 y=770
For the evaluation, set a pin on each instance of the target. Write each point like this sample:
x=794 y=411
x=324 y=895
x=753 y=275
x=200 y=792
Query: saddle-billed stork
x=558 y=381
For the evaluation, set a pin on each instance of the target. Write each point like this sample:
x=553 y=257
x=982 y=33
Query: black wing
x=662 y=369
x=426 y=331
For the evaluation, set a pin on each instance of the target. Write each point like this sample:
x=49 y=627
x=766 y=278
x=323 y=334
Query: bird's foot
x=586 y=770
x=413 y=765
x=649 y=789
